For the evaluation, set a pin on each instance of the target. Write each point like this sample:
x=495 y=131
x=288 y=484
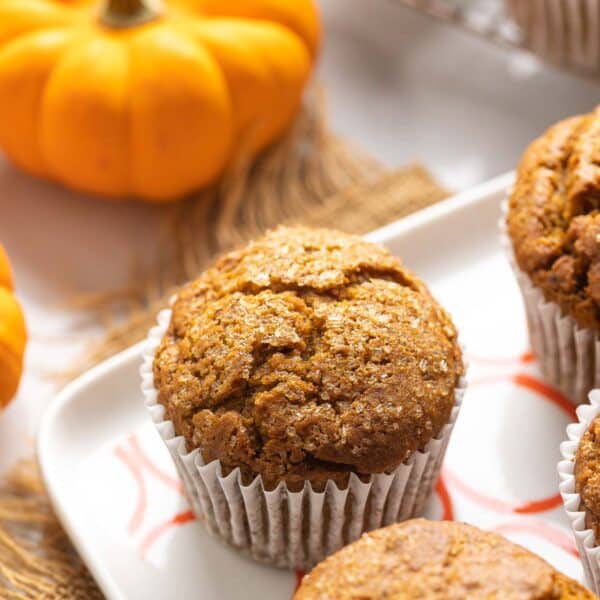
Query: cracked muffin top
x=554 y=216
x=436 y=560
x=306 y=356
x=587 y=476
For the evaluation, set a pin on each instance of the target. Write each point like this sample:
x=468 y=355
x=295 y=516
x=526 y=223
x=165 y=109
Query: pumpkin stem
x=128 y=13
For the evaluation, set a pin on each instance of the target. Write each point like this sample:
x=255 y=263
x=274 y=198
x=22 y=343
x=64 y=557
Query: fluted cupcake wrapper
x=562 y=31
x=568 y=355
x=589 y=551
x=290 y=529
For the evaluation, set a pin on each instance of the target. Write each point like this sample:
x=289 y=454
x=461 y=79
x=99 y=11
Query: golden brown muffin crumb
x=434 y=560
x=554 y=216
x=587 y=475
x=305 y=356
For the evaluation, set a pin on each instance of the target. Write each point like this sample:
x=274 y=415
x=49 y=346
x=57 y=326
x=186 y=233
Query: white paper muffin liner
x=585 y=539
x=566 y=32
x=568 y=355
x=290 y=529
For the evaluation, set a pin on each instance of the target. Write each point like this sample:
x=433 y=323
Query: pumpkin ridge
x=17 y=46
x=40 y=103
x=127 y=183
x=61 y=158
x=207 y=109
x=12 y=366
x=275 y=75
x=6 y=276
x=302 y=19
x=13 y=334
x=194 y=31
x=12 y=325
x=8 y=355
x=257 y=130
x=56 y=17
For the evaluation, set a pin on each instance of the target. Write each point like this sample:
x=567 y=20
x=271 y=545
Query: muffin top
x=436 y=560
x=306 y=356
x=587 y=475
x=554 y=216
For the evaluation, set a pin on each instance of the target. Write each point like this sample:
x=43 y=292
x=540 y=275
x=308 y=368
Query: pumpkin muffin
x=579 y=472
x=436 y=561
x=306 y=356
x=315 y=361
x=553 y=223
x=587 y=476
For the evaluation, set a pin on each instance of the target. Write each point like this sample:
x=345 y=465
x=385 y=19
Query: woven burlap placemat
x=311 y=177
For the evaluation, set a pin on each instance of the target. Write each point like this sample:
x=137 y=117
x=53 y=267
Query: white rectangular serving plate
x=116 y=492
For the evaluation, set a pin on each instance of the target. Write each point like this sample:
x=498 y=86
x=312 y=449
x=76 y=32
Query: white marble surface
x=404 y=87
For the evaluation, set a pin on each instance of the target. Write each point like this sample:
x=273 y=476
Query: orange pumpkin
x=13 y=334
x=131 y=99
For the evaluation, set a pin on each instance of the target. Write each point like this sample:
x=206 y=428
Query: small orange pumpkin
x=13 y=334
x=131 y=99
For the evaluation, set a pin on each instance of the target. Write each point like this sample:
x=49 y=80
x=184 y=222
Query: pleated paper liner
x=568 y=355
x=289 y=529
x=589 y=551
